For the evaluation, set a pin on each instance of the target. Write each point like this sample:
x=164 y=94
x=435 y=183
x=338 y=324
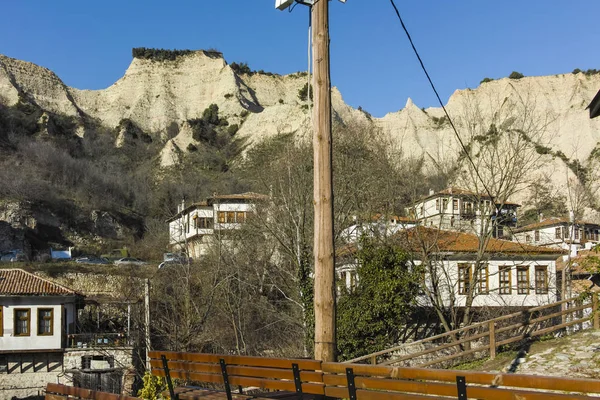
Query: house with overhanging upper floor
x=40 y=341
x=197 y=225
x=461 y=210
x=561 y=233
x=456 y=265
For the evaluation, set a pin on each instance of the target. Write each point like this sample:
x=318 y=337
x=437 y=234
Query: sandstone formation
x=160 y=96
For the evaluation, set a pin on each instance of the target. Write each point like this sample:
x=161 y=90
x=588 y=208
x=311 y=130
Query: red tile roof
x=550 y=222
x=433 y=241
x=438 y=240
x=17 y=282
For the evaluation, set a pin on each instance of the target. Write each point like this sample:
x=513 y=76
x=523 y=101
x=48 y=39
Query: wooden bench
x=55 y=391
x=278 y=377
x=372 y=382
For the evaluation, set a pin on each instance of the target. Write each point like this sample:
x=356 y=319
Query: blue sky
x=88 y=44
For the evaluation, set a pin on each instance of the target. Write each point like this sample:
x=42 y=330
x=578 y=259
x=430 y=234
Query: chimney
x=431 y=192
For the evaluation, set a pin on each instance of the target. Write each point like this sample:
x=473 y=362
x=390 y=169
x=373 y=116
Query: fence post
x=595 y=315
x=492 y=333
x=374 y=360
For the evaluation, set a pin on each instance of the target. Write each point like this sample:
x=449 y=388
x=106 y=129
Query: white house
x=464 y=211
x=559 y=233
x=193 y=228
x=380 y=225
x=510 y=274
x=40 y=342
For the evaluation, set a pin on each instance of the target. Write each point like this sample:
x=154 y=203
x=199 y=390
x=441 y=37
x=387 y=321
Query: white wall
x=448 y=275
x=8 y=341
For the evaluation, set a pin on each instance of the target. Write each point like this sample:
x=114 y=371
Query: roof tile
x=17 y=282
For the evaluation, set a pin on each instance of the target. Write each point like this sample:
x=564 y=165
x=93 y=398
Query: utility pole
x=324 y=276
x=324 y=281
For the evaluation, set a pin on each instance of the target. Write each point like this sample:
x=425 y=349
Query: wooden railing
x=484 y=338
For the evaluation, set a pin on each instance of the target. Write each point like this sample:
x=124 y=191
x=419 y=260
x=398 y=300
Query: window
x=222 y=217
x=541 y=279
x=444 y=204
x=528 y=238
x=422 y=210
x=565 y=231
x=45 y=322
x=452 y=220
x=437 y=204
x=464 y=278
x=523 y=280
x=455 y=204
x=230 y=217
x=557 y=234
x=576 y=233
x=240 y=217
x=22 y=322
x=505 y=283
x=483 y=280
x=537 y=236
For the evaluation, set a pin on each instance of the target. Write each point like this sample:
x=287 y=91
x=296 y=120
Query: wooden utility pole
x=324 y=278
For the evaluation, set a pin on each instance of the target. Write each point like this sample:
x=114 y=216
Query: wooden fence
x=484 y=338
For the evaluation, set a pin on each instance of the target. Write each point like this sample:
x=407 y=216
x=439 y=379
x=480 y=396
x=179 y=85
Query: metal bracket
x=297 y=380
x=461 y=386
x=225 y=378
x=351 y=385
x=168 y=377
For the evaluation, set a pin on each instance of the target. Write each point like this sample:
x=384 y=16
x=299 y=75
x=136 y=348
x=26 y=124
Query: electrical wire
x=460 y=141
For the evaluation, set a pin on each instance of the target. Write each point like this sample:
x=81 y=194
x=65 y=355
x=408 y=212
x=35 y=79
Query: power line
x=460 y=141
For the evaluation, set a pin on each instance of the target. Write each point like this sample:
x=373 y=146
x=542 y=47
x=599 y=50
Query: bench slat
x=77 y=392
x=256 y=372
x=311 y=388
x=342 y=393
x=484 y=378
x=303 y=364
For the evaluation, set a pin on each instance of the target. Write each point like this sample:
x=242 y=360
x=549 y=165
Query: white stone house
x=380 y=225
x=560 y=233
x=464 y=211
x=511 y=274
x=38 y=331
x=196 y=226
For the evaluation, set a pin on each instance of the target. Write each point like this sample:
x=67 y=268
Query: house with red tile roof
x=462 y=210
x=560 y=233
x=40 y=341
x=501 y=274
x=192 y=229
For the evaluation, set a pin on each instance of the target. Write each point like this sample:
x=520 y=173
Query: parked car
x=130 y=261
x=92 y=260
x=13 y=256
x=168 y=263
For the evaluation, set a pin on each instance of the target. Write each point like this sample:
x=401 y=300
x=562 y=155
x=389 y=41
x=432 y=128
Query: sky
x=88 y=43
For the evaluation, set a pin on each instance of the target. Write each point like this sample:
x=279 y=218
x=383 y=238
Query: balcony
x=96 y=340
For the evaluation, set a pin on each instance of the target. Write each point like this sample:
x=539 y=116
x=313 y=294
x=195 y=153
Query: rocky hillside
x=159 y=102
x=159 y=96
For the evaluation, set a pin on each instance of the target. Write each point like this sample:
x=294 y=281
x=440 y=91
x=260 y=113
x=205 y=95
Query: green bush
x=303 y=92
x=241 y=68
x=158 y=54
x=516 y=75
x=576 y=71
x=232 y=130
x=486 y=80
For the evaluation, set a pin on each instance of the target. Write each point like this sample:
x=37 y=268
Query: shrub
x=241 y=68
x=158 y=54
x=576 y=71
x=244 y=114
x=516 y=75
x=211 y=114
x=303 y=92
x=191 y=147
x=280 y=101
x=232 y=130
x=228 y=95
x=486 y=80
